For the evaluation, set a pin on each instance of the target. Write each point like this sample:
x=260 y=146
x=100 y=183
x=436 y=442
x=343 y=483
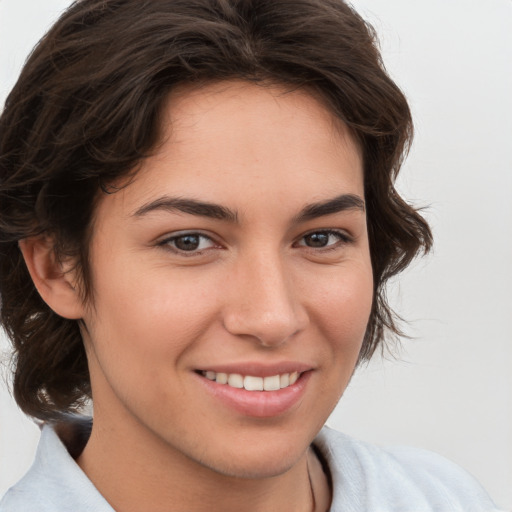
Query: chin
x=257 y=467
x=262 y=456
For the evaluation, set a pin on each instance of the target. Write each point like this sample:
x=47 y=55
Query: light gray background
x=450 y=388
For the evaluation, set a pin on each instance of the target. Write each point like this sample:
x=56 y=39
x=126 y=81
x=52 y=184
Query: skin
x=258 y=290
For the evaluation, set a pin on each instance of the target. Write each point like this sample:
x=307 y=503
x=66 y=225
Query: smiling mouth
x=252 y=383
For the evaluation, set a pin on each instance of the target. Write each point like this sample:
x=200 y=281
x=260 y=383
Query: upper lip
x=258 y=369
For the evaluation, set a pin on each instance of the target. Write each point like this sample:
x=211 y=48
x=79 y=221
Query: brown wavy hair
x=85 y=111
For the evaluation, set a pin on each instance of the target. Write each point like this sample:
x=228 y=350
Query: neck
x=135 y=471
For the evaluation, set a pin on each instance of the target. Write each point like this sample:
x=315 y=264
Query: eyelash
x=343 y=238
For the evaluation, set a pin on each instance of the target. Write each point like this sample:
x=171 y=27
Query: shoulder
x=54 y=483
x=366 y=477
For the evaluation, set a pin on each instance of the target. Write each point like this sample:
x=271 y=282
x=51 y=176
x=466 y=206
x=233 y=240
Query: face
x=238 y=253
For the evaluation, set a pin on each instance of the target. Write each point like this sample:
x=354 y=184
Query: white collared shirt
x=365 y=479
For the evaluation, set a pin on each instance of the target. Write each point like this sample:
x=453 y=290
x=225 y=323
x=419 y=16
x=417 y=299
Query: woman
x=198 y=220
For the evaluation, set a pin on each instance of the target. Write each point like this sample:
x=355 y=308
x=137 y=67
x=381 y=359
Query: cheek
x=341 y=309
x=137 y=314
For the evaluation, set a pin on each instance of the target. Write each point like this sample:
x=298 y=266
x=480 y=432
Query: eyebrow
x=338 y=204
x=190 y=206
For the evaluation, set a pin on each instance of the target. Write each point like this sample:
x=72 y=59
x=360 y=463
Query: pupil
x=187 y=242
x=317 y=239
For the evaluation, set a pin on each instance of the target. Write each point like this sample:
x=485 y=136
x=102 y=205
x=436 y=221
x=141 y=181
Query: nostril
x=269 y=328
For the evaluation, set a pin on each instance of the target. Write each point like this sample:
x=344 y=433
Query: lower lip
x=258 y=404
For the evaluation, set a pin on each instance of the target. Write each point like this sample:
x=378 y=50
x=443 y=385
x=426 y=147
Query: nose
x=263 y=302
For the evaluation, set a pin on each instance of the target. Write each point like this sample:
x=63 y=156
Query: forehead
x=233 y=142
x=234 y=109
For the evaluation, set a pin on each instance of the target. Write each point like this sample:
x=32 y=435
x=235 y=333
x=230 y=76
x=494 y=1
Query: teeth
x=271 y=383
x=284 y=380
x=221 y=378
x=251 y=383
x=235 y=380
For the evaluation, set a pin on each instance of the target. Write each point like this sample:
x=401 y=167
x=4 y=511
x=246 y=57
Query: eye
x=325 y=239
x=188 y=243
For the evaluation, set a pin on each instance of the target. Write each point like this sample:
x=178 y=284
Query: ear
x=55 y=280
